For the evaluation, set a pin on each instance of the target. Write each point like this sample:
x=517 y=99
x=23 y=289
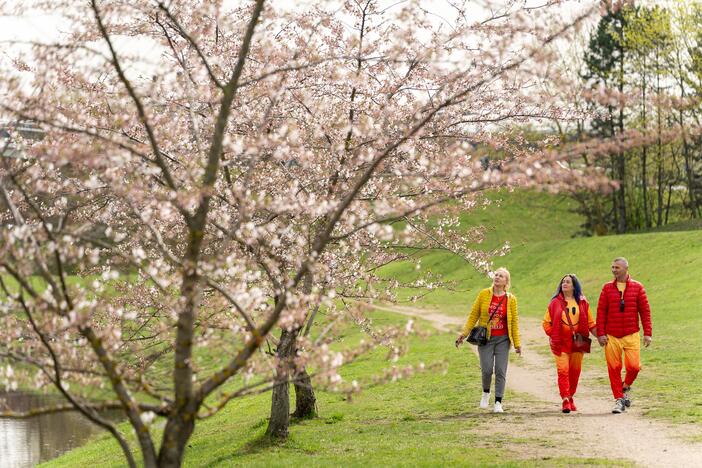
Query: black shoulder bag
x=478 y=334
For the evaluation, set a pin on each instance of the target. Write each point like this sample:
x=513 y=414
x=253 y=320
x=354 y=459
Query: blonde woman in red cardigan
x=568 y=316
x=498 y=306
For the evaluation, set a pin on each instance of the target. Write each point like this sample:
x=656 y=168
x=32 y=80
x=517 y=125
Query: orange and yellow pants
x=630 y=345
x=568 y=367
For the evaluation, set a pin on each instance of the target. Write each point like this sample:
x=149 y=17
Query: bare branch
x=193 y=43
x=158 y=156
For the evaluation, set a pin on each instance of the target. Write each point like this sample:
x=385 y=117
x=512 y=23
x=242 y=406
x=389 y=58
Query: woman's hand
x=518 y=350
x=459 y=340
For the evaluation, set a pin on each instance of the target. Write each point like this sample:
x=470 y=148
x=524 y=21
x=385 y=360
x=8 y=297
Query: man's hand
x=459 y=340
x=647 y=341
x=602 y=340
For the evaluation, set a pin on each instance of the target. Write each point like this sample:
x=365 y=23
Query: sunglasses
x=621 y=302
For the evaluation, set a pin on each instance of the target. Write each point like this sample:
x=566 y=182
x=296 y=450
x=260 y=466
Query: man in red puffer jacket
x=622 y=302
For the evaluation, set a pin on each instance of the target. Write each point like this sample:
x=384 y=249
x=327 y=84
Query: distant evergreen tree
x=605 y=62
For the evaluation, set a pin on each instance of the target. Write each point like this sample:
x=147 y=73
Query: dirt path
x=593 y=431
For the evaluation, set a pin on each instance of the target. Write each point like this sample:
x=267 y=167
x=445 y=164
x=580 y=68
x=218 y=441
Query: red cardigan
x=555 y=309
x=612 y=321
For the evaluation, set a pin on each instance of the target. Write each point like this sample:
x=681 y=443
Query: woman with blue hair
x=568 y=322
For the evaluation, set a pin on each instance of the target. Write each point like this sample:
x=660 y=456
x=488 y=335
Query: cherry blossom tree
x=210 y=176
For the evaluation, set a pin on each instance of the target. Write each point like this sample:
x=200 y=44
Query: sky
x=48 y=27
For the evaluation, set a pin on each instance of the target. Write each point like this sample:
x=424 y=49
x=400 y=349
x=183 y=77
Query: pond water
x=26 y=442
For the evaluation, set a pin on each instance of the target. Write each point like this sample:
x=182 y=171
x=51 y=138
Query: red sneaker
x=566 y=406
x=572 y=405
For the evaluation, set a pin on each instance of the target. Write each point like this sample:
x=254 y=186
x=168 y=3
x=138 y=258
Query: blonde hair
x=505 y=271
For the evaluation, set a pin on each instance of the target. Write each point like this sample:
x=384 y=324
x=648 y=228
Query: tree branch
x=184 y=34
x=135 y=98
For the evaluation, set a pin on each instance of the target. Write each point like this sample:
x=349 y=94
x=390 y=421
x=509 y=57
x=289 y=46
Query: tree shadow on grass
x=261 y=442
x=300 y=419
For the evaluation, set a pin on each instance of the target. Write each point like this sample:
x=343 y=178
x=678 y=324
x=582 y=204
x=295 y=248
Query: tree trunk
x=659 y=145
x=661 y=188
x=305 y=401
x=615 y=210
x=178 y=430
x=686 y=149
x=667 y=205
x=689 y=174
x=280 y=399
x=621 y=161
x=644 y=183
x=621 y=194
x=644 y=175
x=181 y=421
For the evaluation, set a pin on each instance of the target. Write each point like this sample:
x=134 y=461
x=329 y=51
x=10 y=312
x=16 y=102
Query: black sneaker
x=627 y=396
x=619 y=406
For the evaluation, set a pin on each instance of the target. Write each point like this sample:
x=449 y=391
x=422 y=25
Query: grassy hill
x=669 y=265
x=430 y=419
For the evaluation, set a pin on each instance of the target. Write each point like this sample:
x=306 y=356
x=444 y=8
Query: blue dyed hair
x=577 y=289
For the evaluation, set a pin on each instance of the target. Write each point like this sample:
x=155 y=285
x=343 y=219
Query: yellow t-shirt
x=621 y=286
x=574 y=312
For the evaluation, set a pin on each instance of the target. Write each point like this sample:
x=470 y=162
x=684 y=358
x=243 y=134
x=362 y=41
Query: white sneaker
x=498 y=407
x=485 y=400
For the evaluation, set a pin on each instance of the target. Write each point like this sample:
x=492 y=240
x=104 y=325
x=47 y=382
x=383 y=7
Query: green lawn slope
x=668 y=263
x=430 y=419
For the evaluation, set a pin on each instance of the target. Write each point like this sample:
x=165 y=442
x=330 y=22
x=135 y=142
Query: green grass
x=686 y=225
x=522 y=217
x=519 y=217
x=667 y=263
x=429 y=420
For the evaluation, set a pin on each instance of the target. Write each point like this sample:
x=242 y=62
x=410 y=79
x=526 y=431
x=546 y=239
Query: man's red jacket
x=612 y=321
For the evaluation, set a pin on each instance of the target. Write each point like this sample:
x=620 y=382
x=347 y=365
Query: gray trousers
x=495 y=354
